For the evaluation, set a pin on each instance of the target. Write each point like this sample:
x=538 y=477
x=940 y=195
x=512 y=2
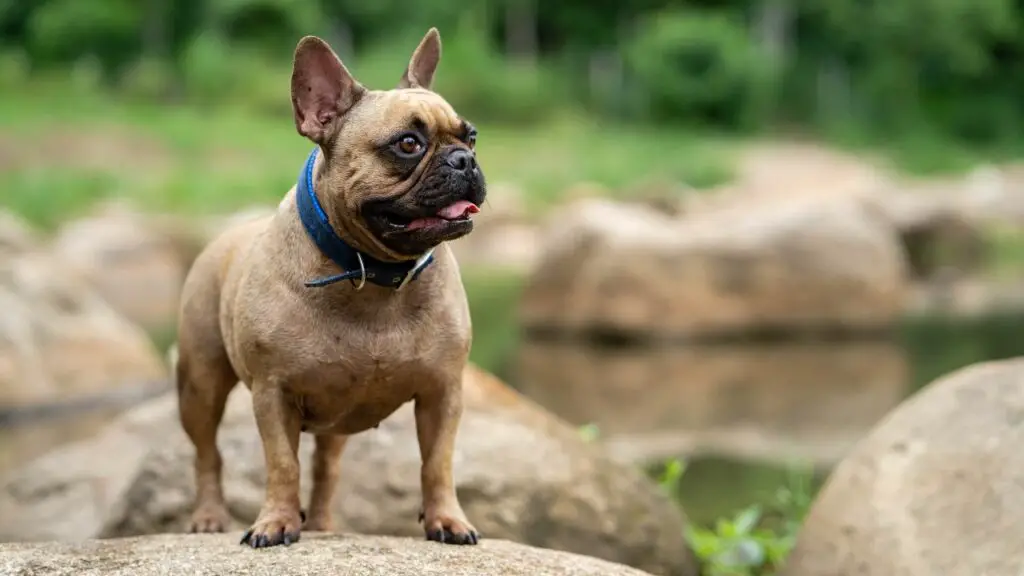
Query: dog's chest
x=354 y=385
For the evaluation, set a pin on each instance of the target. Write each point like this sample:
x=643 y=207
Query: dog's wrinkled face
x=400 y=174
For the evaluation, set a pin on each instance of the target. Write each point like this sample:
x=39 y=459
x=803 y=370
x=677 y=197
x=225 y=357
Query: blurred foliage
x=949 y=68
x=492 y=295
x=755 y=540
x=699 y=66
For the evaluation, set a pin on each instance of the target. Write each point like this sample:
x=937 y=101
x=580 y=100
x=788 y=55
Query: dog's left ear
x=322 y=89
x=420 y=72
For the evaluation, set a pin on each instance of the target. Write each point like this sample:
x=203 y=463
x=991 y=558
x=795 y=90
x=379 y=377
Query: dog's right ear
x=420 y=71
x=323 y=90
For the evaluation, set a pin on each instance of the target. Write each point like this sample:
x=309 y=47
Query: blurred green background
x=603 y=91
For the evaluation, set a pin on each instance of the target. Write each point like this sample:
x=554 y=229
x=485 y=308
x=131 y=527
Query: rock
x=934 y=488
x=941 y=220
x=789 y=401
x=220 y=555
x=968 y=298
x=585 y=190
x=938 y=230
x=509 y=246
x=521 y=474
x=189 y=235
x=59 y=341
x=26 y=440
x=628 y=269
x=15 y=235
x=135 y=268
x=664 y=196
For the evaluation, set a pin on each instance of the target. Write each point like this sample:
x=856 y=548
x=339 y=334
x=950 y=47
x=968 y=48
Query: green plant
x=757 y=539
x=671 y=475
x=589 y=432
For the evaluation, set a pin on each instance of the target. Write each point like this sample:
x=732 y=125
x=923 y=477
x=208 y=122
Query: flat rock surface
x=221 y=555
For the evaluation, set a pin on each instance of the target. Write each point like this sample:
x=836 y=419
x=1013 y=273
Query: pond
x=749 y=419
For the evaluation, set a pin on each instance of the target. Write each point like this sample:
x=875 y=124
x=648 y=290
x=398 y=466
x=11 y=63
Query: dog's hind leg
x=204 y=378
x=326 y=471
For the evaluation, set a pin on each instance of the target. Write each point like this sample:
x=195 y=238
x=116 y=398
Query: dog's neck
x=357 y=267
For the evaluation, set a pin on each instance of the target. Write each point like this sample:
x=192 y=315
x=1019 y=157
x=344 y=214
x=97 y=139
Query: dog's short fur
x=336 y=360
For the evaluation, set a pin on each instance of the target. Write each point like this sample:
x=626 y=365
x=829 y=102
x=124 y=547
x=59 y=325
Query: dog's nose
x=461 y=160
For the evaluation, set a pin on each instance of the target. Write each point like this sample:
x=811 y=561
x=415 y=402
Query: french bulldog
x=344 y=304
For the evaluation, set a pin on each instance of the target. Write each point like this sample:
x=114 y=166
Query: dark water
x=749 y=419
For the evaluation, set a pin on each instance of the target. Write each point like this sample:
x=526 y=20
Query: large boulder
x=59 y=340
x=521 y=474
x=802 y=401
x=209 y=555
x=629 y=269
x=941 y=220
x=935 y=488
x=128 y=261
x=190 y=235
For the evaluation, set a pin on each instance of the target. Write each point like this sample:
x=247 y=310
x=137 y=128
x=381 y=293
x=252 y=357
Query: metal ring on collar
x=362 y=272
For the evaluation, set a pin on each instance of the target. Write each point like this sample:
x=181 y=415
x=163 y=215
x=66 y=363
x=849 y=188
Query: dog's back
x=199 y=332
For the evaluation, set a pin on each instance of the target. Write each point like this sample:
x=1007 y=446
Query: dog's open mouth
x=459 y=211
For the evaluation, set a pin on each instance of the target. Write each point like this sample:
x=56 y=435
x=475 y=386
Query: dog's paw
x=207 y=519
x=318 y=523
x=274 y=528
x=449 y=527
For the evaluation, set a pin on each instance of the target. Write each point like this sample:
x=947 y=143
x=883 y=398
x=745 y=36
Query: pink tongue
x=458 y=209
x=452 y=212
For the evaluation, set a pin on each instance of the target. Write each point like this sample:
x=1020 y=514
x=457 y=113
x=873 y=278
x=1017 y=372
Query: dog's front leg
x=438 y=412
x=279 y=424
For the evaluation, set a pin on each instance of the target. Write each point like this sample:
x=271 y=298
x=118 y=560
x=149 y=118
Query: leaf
x=750 y=552
x=589 y=432
x=748 y=519
x=724 y=528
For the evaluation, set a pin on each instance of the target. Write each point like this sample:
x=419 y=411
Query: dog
x=344 y=304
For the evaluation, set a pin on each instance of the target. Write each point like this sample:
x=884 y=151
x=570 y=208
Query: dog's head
x=400 y=174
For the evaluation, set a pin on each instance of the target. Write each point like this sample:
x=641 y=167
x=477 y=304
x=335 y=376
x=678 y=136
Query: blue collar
x=355 y=265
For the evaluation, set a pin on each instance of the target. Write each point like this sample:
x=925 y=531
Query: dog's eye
x=471 y=141
x=409 y=146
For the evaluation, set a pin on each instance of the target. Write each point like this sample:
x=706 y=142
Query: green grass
x=187 y=160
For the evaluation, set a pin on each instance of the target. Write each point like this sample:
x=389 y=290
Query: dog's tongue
x=458 y=210
x=450 y=212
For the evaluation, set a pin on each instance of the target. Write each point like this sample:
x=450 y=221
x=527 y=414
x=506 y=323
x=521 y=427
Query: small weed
x=589 y=432
x=671 y=475
x=756 y=540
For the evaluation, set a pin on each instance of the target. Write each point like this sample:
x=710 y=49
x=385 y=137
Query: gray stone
x=937 y=487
